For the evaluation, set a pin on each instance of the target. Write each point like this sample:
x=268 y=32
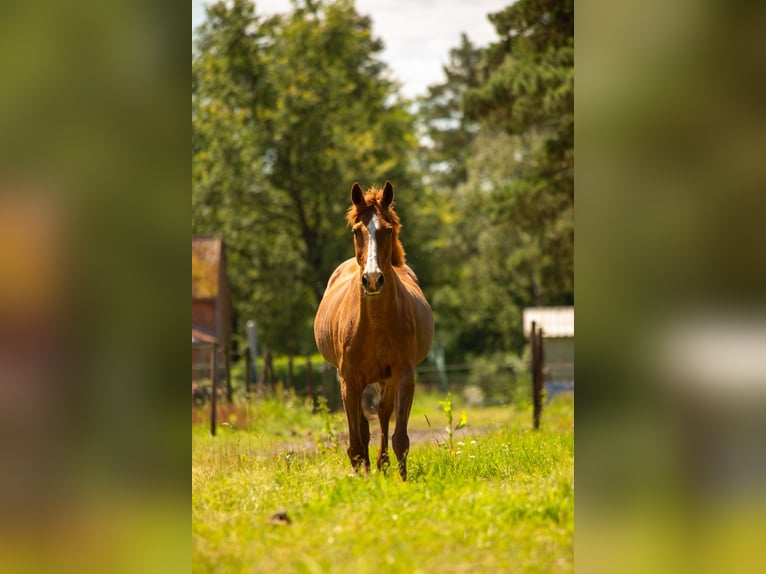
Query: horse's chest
x=374 y=352
x=374 y=343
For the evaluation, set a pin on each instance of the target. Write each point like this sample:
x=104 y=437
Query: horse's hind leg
x=405 y=390
x=358 y=426
x=385 y=408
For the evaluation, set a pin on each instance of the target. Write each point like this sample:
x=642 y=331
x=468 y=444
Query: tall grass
x=502 y=501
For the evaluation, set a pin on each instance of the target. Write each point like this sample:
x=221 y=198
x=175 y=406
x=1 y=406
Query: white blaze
x=372 y=245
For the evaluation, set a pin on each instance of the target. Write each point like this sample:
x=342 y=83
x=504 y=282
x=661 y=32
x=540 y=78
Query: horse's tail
x=370 y=401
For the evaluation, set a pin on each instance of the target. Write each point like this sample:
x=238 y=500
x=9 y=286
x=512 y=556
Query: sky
x=418 y=34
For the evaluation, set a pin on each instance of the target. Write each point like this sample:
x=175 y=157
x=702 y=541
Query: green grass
x=504 y=502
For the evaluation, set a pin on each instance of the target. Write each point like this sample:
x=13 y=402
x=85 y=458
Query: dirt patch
x=308 y=444
x=236 y=416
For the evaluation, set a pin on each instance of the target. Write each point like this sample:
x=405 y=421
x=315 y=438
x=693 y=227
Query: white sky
x=418 y=34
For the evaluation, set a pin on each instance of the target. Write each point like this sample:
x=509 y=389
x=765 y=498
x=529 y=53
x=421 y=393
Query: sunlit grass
x=504 y=501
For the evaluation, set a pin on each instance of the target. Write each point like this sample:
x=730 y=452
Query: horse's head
x=376 y=229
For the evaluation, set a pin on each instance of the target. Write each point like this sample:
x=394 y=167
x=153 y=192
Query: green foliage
x=300 y=374
x=288 y=111
x=286 y=114
x=446 y=147
x=506 y=196
x=446 y=405
x=494 y=266
x=503 y=377
x=505 y=503
x=529 y=94
x=285 y=411
x=329 y=438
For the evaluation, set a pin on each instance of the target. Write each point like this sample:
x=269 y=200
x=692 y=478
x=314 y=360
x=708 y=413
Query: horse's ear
x=388 y=194
x=357 y=195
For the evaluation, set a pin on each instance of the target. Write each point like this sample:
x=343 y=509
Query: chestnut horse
x=374 y=325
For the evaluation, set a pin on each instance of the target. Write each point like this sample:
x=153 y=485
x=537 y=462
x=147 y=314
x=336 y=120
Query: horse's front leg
x=405 y=389
x=358 y=426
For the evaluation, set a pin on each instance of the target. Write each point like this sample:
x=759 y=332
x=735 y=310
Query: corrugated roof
x=206 y=260
x=555 y=321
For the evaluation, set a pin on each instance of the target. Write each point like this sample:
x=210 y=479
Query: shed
x=557 y=324
x=211 y=305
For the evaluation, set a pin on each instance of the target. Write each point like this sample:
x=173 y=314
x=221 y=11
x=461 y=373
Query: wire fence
x=236 y=376
x=220 y=375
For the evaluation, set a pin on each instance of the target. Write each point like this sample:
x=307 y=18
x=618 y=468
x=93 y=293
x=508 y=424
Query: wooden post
x=536 y=342
x=214 y=384
x=229 y=394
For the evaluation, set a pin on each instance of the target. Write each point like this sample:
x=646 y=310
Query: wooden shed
x=211 y=305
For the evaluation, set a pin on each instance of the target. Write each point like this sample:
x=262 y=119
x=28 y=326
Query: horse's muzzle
x=372 y=282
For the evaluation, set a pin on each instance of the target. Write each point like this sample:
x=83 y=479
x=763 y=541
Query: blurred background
x=671 y=469
x=93 y=254
x=94 y=189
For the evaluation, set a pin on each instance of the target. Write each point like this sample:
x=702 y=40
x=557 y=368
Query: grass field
x=502 y=500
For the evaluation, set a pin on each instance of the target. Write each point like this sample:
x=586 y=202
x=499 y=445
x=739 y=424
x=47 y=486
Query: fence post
x=229 y=397
x=214 y=384
x=537 y=373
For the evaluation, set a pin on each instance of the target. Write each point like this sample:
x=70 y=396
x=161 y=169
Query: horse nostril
x=380 y=281
x=365 y=283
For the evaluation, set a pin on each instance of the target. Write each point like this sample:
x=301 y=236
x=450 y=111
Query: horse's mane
x=373 y=199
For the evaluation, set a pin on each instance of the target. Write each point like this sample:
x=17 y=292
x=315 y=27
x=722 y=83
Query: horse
x=375 y=325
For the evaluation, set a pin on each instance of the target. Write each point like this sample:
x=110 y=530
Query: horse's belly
x=323 y=336
x=328 y=322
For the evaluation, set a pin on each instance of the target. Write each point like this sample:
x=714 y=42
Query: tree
x=479 y=309
x=335 y=119
x=287 y=113
x=229 y=86
x=529 y=93
x=448 y=132
x=502 y=155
